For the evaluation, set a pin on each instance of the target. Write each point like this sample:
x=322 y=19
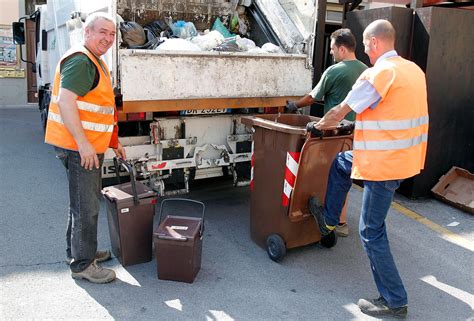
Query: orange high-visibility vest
x=390 y=140
x=96 y=111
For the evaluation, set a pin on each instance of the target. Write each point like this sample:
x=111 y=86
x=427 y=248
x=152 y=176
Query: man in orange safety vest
x=390 y=138
x=82 y=126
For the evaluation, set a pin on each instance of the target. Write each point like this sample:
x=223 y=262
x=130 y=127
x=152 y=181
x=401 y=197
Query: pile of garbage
x=183 y=36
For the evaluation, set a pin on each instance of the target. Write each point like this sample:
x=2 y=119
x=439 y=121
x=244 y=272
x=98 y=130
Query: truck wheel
x=45 y=98
x=44 y=119
x=276 y=248
x=329 y=240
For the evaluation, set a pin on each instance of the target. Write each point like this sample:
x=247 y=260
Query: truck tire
x=45 y=98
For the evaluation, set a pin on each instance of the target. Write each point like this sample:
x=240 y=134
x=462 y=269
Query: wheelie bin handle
x=314 y=132
x=129 y=169
x=346 y=128
x=342 y=128
x=201 y=230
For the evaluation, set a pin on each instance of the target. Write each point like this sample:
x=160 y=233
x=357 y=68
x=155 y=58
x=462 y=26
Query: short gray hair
x=93 y=17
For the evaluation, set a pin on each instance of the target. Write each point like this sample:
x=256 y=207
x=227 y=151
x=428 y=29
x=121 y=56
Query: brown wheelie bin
x=288 y=168
x=130 y=213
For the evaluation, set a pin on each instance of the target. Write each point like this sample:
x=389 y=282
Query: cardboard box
x=456 y=188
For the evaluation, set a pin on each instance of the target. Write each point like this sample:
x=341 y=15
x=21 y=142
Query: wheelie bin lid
x=287 y=123
x=294 y=124
x=178 y=228
x=123 y=192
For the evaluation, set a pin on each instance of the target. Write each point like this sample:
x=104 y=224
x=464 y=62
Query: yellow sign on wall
x=12 y=73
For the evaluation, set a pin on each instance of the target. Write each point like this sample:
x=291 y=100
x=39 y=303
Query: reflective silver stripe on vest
x=82 y=105
x=390 y=144
x=391 y=124
x=85 y=124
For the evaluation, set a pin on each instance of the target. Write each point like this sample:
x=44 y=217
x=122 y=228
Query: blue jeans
x=84 y=206
x=376 y=202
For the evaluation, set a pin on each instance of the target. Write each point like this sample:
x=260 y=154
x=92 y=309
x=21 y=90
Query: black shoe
x=379 y=308
x=316 y=209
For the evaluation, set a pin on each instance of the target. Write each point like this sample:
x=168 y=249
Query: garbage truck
x=180 y=112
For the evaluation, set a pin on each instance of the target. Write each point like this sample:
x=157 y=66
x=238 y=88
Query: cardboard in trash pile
x=456 y=187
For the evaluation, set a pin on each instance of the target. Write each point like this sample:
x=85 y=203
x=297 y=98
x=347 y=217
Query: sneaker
x=379 y=308
x=100 y=256
x=316 y=209
x=342 y=230
x=95 y=274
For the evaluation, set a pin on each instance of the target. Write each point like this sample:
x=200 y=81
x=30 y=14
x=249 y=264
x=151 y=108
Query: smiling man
x=82 y=126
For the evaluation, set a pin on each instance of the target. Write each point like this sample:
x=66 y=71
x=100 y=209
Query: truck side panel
x=203 y=75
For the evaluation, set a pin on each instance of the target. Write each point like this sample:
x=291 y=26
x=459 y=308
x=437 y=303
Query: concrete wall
x=12 y=90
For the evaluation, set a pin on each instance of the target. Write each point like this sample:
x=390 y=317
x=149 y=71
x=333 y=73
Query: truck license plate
x=205 y=111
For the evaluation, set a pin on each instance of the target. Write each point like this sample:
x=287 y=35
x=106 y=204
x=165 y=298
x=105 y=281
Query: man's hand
x=310 y=128
x=89 y=158
x=326 y=124
x=291 y=107
x=333 y=117
x=120 y=151
x=67 y=101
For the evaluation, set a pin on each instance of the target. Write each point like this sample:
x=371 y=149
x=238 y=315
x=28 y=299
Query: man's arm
x=362 y=96
x=70 y=115
x=333 y=117
x=317 y=94
x=292 y=106
x=120 y=151
x=304 y=101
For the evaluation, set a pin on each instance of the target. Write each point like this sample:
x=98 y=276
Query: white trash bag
x=178 y=44
x=245 y=43
x=271 y=48
x=208 y=41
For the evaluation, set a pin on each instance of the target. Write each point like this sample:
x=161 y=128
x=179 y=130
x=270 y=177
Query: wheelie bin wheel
x=330 y=240
x=276 y=248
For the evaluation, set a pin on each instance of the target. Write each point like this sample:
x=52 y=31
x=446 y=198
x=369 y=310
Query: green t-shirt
x=79 y=74
x=336 y=82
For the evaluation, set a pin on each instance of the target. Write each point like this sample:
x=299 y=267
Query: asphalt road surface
x=237 y=280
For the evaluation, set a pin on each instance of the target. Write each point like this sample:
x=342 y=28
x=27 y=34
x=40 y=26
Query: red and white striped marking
x=251 y=169
x=292 y=163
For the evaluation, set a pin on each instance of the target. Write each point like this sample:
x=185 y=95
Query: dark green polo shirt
x=79 y=74
x=336 y=82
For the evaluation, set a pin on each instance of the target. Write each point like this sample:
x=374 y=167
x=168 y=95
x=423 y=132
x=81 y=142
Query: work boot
x=379 y=308
x=95 y=274
x=316 y=209
x=100 y=256
x=342 y=230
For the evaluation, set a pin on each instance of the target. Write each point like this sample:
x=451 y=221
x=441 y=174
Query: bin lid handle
x=201 y=230
x=129 y=169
